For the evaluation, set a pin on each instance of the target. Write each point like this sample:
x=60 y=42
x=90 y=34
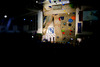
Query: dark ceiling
x=20 y=7
x=86 y=2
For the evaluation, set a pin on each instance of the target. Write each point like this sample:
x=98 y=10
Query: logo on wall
x=51 y=30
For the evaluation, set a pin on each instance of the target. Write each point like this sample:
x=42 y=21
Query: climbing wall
x=63 y=18
x=57 y=26
x=65 y=27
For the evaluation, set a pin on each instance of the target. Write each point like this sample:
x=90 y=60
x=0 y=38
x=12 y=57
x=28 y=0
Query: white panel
x=40 y=21
x=77 y=20
x=56 y=7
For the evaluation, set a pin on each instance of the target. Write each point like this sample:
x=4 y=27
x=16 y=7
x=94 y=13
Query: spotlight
x=31 y=20
x=79 y=40
x=5 y=16
x=71 y=38
x=32 y=36
x=36 y=1
x=24 y=19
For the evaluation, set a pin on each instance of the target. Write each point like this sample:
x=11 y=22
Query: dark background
x=18 y=7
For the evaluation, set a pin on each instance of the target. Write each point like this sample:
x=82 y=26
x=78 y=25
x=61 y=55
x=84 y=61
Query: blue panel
x=59 y=0
x=44 y=19
x=52 y=30
x=79 y=27
x=50 y=1
x=9 y=23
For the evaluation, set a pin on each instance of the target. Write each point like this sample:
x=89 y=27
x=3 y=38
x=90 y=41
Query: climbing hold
x=64 y=23
x=70 y=24
x=63 y=30
x=57 y=36
x=64 y=10
x=64 y=38
x=73 y=17
x=63 y=4
x=59 y=19
x=70 y=30
x=62 y=18
x=69 y=33
x=50 y=6
x=70 y=20
x=54 y=1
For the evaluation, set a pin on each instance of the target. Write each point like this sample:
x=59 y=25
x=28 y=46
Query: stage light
x=24 y=19
x=71 y=38
x=65 y=2
x=5 y=16
x=32 y=36
x=31 y=20
x=36 y=1
x=79 y=40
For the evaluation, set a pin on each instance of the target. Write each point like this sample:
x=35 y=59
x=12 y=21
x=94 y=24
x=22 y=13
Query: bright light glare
x=79 y=40
x=65 y=2
x=24 y=19
x=71 y=38
x=31 y=20
x=5 y=16
x=36 y=1
x=32 y=36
